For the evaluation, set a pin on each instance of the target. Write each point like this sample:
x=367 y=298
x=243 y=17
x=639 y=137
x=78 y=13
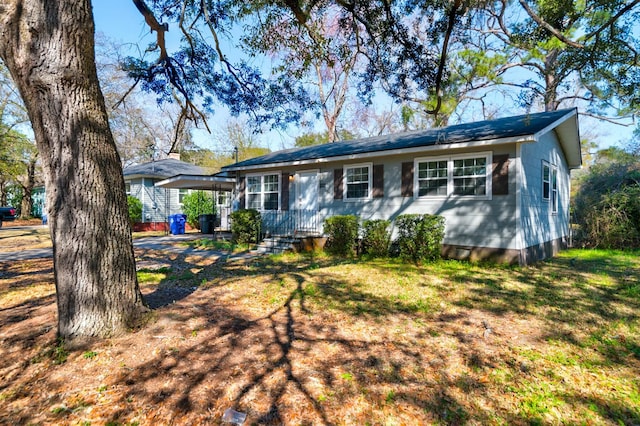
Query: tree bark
x=48 y=47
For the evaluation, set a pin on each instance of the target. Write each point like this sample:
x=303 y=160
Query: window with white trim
x=358 y=181
x=554 y=190
x=470 y=176
x=546 y=181
x=550 y=185
x=182 y=192
x=263 y=192
x=433 y=178
x=464 y=176
x=127 y=188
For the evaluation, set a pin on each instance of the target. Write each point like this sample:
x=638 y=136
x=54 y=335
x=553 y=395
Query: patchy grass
x=19 y=238
x=219 y=245
x=308 y=339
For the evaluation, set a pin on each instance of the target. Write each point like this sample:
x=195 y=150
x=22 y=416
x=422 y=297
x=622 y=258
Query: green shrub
x=614 y=222
x=376 y=237
x=342 y=232
x=195 y=204
x=420 y=236
x=135 y=209
x=245 y=226
x=606 y=209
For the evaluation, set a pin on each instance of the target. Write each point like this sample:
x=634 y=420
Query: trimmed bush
x=195 y=204
x=342 y=232
x=245 y=226
x=420 y=237
x=135 y=209
x=376 y=237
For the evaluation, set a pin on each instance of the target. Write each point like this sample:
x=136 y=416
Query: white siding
x=157 y=203
x=469 y=222
x=538 y=223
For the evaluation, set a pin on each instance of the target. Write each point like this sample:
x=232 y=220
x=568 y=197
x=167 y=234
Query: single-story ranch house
x=158 y=202
x=502 y=185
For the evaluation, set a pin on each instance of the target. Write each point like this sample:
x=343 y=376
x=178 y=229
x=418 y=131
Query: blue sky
x=121 y=21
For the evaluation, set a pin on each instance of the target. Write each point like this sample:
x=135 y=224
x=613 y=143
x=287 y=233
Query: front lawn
x=308 y=339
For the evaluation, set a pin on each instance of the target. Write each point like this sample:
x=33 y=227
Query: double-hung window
x=433 y=178
x=358 y=181
x=470 y=176
x=464 y=176
x=263 y=192
x=550 y=185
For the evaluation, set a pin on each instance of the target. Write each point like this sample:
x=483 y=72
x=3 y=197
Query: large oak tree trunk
x=48 y=47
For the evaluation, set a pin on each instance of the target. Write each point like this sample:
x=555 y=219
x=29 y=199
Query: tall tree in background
x=18 y=154
x=143 y=130
x=575 y=52
x=48 y=48
x=233 y=141
x=321 y=49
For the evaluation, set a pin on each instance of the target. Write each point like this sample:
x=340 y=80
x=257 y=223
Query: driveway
x=166 y=243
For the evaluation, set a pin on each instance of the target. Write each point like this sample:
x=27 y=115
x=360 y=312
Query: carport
x=217 y=183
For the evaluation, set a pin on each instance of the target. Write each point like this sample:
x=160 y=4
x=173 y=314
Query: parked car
x=7 y=214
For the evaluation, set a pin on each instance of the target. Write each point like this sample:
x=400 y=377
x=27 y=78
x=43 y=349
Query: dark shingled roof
x=162 y=169
x=508 y=127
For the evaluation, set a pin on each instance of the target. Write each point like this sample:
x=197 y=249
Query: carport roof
x=161 y=169
x=217 y=182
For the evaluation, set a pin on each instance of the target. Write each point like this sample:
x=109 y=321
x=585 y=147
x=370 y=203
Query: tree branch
x=154 y=25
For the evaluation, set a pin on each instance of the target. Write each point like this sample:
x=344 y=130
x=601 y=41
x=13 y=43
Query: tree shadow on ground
x=327 y=351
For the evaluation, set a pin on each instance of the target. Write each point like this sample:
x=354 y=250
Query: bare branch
x=154 y=25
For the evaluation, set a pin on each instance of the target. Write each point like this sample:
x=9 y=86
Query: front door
x=307 y=204
x=308 y=191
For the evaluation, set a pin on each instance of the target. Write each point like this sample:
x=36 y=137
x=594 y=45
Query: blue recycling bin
x=177 y=223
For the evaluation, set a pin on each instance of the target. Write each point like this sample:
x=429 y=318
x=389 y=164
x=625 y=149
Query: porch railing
x=291 y=222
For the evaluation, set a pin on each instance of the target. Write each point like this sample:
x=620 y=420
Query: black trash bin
x=207 y=223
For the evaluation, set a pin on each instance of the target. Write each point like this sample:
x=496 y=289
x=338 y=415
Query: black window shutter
x=500 y=175
x=241 y=191
x=407 y=179
x=378 y=181
x=284 y=204
x=338 y=188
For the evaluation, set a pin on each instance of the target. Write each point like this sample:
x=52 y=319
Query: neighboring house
x=158 y=203
x=502 y=185
x=38 y=201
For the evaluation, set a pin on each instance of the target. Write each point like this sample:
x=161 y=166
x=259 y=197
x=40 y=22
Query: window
x=127 y=188
x=460 y=176
x=222 y=198
x=181 y=194
x=550 y=185
x=546 y=181
x=263 y=192
x=554 y=190
x=433 y=178
x=470 y=176
x=358 y=181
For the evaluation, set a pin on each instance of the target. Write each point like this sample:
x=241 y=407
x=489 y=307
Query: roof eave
x=386 y=153
x=568 y=133
x=202 y=182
